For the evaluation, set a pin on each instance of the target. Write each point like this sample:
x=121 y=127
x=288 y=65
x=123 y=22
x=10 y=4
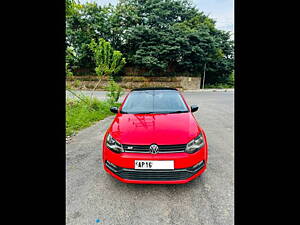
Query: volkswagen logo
x=153 y=149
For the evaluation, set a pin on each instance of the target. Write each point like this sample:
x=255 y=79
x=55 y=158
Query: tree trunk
x=96 y=86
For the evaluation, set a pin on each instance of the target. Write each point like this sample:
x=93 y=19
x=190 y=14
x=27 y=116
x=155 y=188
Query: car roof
x=154 y=88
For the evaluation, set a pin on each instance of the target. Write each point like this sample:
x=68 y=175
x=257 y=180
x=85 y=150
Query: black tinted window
x=154 y=101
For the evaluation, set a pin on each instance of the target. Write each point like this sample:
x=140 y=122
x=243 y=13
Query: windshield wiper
x=144 y=112
x=126 y=112
x=169 y=112
x=179 y=111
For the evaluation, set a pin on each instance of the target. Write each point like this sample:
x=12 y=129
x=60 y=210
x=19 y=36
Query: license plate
x=153 y=165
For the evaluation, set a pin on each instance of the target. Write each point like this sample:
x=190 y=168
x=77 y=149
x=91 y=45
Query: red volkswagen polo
x=155 y=139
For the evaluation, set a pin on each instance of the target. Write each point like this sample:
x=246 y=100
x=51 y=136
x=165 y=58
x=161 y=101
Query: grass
x=218 y=86
x=83 y=113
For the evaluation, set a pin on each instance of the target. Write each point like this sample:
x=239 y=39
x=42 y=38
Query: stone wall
x=190 y=83
x=130 y=82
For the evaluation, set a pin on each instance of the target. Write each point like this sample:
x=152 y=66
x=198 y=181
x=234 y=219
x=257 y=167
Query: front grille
x=155 y=175
x=158 y=175
x=162 y=148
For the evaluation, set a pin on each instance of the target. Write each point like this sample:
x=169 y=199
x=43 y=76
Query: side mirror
x=194 y=108
x=114 y=109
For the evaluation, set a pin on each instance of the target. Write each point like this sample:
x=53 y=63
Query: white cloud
x=220 y=10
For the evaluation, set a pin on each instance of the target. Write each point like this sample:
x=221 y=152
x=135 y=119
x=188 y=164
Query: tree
x=157 y=35
x=222 y=64
x=114 y=91
x=70 y=7
x=149 y=40
x=108 y=61
x=88 y=21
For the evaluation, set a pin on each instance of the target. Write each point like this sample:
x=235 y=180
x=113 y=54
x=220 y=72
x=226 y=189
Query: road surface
x=94 y=197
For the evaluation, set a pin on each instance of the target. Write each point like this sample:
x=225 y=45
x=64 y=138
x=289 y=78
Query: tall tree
x=158 y=35
x=89 y=21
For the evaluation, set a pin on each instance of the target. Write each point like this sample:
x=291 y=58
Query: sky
x=220 y=10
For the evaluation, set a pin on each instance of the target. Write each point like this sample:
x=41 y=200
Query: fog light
x=111 y=164
x=198 y=164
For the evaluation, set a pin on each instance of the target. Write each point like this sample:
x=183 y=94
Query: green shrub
x=68 y=71
x=114 y=91
x=83 y=113
x=77 y=83
x=231 y=79
x=218 y=86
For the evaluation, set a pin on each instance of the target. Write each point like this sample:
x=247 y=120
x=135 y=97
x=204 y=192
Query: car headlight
x=113 y=144
x=195 y=144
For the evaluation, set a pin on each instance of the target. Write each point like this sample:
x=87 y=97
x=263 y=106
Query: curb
x=211 y=90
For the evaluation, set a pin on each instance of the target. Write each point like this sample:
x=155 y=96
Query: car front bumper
x=121 y=166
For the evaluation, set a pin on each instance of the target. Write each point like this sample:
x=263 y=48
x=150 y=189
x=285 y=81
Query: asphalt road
x=94 y=197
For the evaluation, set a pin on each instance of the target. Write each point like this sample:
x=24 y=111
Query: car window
x=154 y=101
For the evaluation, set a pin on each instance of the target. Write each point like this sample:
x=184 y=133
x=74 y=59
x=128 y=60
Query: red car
x=155 y=139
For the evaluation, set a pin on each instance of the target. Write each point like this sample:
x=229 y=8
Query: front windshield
x=154 y=101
